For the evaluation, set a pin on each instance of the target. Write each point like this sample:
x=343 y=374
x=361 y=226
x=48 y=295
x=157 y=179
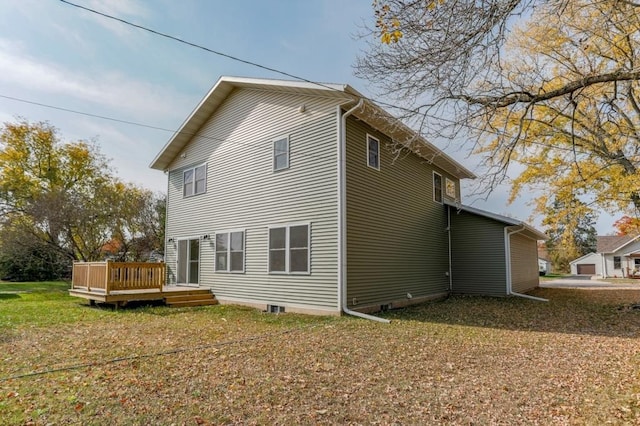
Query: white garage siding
x=588 y=259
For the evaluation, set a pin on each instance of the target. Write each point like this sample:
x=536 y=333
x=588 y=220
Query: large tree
x=570 y=227
x=552 y=85
x=65 y=196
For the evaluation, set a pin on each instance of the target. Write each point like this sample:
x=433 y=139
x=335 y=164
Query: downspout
x=342 y=215
x=507 y=254
x=449 y=236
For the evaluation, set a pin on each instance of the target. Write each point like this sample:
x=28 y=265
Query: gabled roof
x=529 y=230
x=583 y=257
x=613 y=243
x=344 y=94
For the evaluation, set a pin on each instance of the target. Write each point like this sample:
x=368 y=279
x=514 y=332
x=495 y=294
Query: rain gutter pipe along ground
x=342 y=214
x=507 y=250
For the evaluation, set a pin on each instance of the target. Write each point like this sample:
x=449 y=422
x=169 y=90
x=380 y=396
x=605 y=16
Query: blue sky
x=56 y=54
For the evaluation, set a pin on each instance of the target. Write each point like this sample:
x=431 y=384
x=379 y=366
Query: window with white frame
x=194 y=181
x=437 y=188
x=617 y=262
x=450 y=188
x=229 y=251
x=373 y=152
x=281 y=153
x=289 y=249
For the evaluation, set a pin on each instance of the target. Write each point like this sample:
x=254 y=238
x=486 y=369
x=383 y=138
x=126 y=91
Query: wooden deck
x=122 y=282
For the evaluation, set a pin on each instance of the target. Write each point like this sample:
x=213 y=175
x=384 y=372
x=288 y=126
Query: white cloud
x=124 y=9
x=112 y=90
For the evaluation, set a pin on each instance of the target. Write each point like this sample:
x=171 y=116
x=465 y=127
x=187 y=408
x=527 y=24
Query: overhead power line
x=197 y=46
x=226 y=55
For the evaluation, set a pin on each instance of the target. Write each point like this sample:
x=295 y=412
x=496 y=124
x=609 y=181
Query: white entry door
x=188 y=261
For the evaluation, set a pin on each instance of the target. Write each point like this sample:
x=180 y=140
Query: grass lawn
x=463 y=360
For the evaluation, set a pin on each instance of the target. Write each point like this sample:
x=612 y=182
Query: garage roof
x=529 y=230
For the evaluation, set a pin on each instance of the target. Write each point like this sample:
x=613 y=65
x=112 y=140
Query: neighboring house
x=290 y=195
x=615 y=256
x=544 y=266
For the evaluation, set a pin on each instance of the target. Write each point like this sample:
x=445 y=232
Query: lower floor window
x=617 y=262
x=229 y=251
x=289 y=249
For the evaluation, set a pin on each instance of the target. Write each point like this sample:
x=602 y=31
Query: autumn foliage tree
x=627 y=225
x=552 y=86
x=63 y=199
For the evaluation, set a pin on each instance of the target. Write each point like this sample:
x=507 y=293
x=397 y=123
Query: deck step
x=190 y=298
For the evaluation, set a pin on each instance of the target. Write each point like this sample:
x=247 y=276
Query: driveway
x=585 y=282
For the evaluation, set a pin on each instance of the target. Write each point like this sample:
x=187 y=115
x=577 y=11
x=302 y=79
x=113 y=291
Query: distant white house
x=544 y=266
x=615 y=256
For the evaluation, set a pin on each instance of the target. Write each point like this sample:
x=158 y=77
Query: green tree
x=65 y=196
x=571 y=231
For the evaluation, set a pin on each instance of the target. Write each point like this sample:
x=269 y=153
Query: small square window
x=281 y=154
x=450 y=188
x=373 y=152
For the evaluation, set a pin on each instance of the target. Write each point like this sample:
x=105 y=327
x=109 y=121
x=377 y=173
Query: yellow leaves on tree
x=585 y=144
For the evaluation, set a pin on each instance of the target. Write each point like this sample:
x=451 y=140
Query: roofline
x=498 y=217
x=160 y=161
x=583 y=257
x=624 y=245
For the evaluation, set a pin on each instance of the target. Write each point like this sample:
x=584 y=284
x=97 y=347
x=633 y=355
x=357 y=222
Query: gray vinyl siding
x=396 y=239
x=243 y=192
x=524 y=264
x=477 y=255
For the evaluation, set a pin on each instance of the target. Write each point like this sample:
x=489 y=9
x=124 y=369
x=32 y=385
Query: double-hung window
x=281 y=153
x=373 y=152
x=194 y=180
x=617 y=262
x=437 y=188
x=289 y=249
x=229 y=251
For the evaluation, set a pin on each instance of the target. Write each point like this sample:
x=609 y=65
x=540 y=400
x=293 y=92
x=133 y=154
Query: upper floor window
x=373 y=152
x=289 y=249
x=437 y=187
x=230 y=251
x=195 y=181
x=450 y=188
x=281 y=153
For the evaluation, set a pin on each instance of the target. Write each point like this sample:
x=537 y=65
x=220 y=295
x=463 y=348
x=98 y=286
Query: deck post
x=87 y=275
x=106 y=277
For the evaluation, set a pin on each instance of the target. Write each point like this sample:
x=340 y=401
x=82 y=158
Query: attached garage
x=586 y=269
x=491 y=254
x=589 y=264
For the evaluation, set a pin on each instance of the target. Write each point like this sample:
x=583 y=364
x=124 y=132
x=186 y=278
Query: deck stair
x=195 y=297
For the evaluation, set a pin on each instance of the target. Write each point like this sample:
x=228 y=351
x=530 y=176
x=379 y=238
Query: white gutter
x=507 y=254
x=342 y=215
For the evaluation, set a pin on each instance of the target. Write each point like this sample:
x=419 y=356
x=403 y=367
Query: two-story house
x=293 y=195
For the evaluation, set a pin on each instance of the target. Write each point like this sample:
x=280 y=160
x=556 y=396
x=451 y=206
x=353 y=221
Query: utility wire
x=228 y=56
x=88 y=114
x=197 y=46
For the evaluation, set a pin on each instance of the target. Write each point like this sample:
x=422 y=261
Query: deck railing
x=118 y=276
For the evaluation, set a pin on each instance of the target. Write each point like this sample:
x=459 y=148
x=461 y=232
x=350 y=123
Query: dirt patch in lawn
x=574 y=360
